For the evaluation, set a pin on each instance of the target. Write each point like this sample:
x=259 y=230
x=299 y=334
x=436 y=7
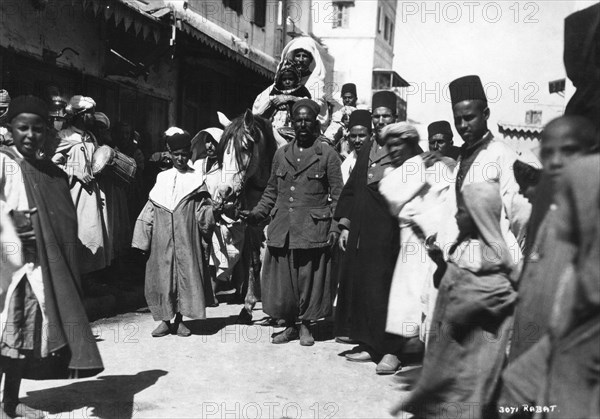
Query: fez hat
x=467 y=88
x=360 y=117
x=27 y=104
x=349 y=88
x=177 y=139
x=384 y=99
x=57 y=107
x=440 y=127
x=308 y=103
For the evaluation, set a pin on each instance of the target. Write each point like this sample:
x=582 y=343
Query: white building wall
x=358 y=48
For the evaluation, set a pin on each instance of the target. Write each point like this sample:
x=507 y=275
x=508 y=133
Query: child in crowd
x=286 y=90
x=178 y=214
x=45 y=332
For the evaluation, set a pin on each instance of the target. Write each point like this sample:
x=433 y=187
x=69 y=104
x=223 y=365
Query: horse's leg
x=251 y=266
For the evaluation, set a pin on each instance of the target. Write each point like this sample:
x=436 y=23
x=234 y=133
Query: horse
x=245 y=155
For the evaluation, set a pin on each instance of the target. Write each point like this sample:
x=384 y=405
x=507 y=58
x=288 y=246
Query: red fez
x=467 y=88
x=349 y=88
x=440 y=127
x=307 y=103
x=385 y=99
x=178 y=139
x=360 y=117
x=27 y=104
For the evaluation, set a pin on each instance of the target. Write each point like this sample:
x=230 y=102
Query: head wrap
x=467 y=88
x=288 y=67
x=385 y=99
x=177 y=139
x=440 y=127
x=214 y=133
x=400 y=128
x=349 y=88
x=308 y=103
x=79 y=104
x=27 y=104
x=101 y=118
x=360 y=117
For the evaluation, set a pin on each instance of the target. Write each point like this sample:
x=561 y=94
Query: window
x=340 y=15
x=386 y=29
x=234 y=5
x=260 y=13
x=379 y=19
x=391 y=33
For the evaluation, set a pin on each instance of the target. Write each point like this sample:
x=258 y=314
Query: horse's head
x=240 y=152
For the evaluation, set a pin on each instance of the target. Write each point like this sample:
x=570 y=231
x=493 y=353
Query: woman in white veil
x=305 y=53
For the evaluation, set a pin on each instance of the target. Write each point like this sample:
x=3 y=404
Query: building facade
x=153 y=63
x=360 y=36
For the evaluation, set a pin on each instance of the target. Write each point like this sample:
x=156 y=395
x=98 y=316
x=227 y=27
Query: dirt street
x=223 y=370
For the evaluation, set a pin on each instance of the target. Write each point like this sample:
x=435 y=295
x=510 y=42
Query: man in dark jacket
x=301 y=196
x=370 y=239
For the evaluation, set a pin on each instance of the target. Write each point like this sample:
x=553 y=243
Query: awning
x=146 y=16
x=221 y=40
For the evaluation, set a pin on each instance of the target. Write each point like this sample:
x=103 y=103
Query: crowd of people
x=485 y=263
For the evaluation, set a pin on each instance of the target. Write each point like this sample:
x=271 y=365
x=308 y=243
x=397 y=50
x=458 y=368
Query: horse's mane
x=236 y=130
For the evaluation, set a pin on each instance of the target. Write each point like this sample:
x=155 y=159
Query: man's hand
x=249 y=217
x=343 y=239
x=332 y=239
x=431 y=157
x=87 y=178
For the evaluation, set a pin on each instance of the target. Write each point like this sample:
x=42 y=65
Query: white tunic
x=13 y=196
x=416 y=196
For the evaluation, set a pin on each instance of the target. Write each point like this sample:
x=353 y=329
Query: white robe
x=13 y=196
x=417 y=196
x=493 y=164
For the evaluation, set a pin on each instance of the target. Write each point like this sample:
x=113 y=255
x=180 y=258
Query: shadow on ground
x=110 y=397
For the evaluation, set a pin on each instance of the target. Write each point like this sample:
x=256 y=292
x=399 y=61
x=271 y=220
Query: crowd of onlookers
x=484 y=264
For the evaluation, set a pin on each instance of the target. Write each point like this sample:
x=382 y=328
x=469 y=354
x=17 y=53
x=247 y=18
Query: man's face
x=441 y=143
x=57 y=122
x=303 y=59
x=398 y=148
x=89 y=120
x=180 y=158
x=470 y=119
x=28 y=133
x=357 y=136
x=305 y=125
x=382 y=116
x=349 y=99
x=559 y=148
x=211 y=149
x=3 y=110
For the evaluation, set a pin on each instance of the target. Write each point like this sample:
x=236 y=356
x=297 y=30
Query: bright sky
x=516 y=48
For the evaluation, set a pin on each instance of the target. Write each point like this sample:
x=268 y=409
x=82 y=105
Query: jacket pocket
x=316 y=175
x=317 y=225
x=320 y=214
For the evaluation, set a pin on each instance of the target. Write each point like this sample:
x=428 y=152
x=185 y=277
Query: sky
x=516 y=47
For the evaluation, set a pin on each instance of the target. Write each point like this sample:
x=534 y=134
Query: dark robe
x=55 y=225
x=368 y=264
x=177 y=280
